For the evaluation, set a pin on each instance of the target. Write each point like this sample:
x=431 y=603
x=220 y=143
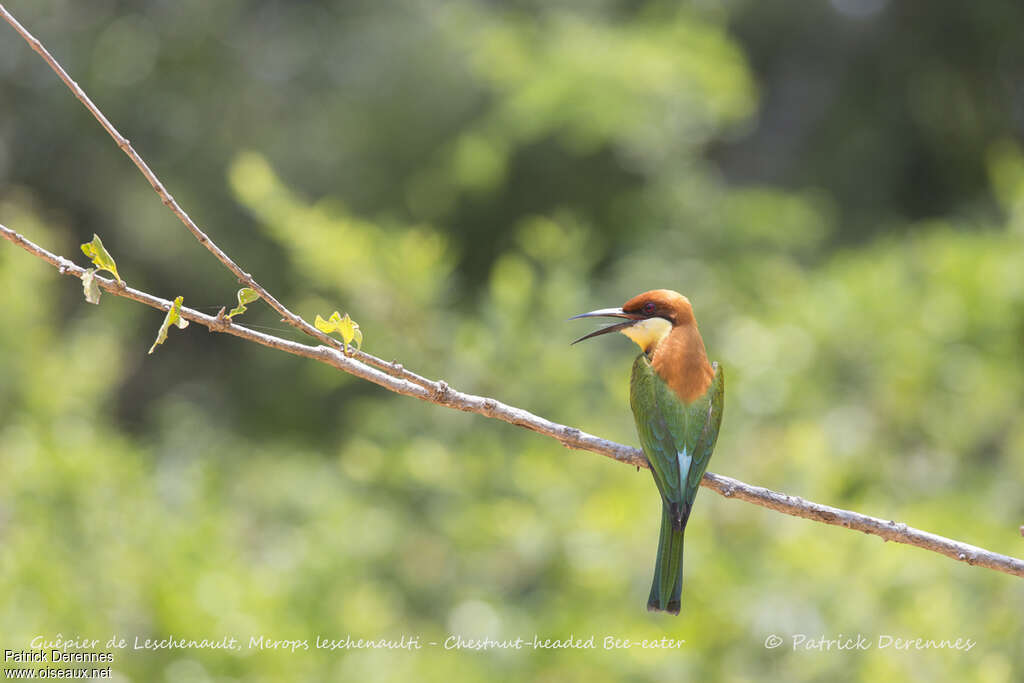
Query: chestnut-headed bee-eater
x=676 y=396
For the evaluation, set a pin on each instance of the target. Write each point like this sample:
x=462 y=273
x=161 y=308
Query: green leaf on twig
x=100 y=257
x=173 y=318
x=345 y=326
x=246 y=295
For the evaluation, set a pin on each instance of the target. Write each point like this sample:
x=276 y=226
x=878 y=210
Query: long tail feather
x=667 y=586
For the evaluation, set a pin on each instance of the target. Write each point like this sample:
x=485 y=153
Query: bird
x=677 y=398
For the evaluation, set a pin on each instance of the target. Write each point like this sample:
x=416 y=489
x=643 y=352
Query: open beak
x=606 y=313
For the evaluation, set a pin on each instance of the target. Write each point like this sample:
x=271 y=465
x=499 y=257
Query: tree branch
x=169 y=201
x=444 y=395
x=394 y=377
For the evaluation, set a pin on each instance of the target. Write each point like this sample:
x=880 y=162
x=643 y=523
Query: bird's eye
x=649 y=307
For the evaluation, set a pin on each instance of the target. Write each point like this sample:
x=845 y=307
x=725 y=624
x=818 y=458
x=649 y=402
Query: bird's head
x=649 y=317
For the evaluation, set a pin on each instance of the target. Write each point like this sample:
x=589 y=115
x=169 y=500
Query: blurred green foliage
x=460 y=178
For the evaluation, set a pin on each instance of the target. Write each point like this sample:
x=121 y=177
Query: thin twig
x=442 y=394
x=204 y=239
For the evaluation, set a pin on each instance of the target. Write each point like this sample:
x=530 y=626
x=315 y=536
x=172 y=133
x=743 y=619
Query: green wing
x=710 y=415
x=653 y=415
x=677 y=438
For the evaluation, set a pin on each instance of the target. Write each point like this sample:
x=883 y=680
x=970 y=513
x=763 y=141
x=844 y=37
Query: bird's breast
x=681 y=362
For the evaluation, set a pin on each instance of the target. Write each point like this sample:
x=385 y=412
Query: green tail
x=667 y=587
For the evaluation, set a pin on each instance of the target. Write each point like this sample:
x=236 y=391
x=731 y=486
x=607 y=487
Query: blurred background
x=838 y=187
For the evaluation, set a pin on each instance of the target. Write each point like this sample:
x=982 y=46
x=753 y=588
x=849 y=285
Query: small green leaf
x=173 y=317
x=345 y=326
x=324 y=326
x=90 y=287
x=348 y=329
x=246 y=295
x=100 y=257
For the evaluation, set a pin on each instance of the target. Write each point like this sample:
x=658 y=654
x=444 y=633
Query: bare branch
x=442 y=394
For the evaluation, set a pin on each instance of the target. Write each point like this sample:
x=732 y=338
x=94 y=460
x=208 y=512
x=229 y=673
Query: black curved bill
x=605 y=313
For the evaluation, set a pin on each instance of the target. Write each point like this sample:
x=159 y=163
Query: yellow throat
x=649 y=332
